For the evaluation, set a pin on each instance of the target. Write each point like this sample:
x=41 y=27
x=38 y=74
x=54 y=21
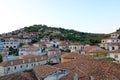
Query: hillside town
x=25 y=58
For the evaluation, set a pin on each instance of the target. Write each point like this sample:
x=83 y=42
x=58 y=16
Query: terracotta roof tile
x=99 y=70
x=99 y=51
x=89 y=48
x=19 y=76
x=22 y=61
x=44 y=70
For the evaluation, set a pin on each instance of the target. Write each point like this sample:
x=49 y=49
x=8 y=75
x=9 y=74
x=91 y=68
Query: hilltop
x=58 y=33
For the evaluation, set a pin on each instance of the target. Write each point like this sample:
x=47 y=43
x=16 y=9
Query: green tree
x=118 y=37
x=21 y=44
x=1 y=58
x=13 y=51
x=34 y=40
x=108 y=59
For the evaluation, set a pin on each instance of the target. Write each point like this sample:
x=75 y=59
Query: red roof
x=89 y=48
x=62 y=42
x=10 y=37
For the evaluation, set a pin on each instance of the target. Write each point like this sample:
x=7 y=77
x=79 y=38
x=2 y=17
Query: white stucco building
x=11 y=41
x=115 y=54
x=76 y=47
x=27 y=49
x=20 y=65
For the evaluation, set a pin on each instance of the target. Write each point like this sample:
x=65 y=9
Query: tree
x=21 y=44
x=108 y=59
x=34 y=41
x=1 y=58
x=118 y=37
x=13 y=51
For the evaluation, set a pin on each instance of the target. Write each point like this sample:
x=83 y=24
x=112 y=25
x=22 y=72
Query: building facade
x=20 y=65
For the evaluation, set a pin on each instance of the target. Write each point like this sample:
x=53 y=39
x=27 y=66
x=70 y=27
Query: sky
x=94 y=16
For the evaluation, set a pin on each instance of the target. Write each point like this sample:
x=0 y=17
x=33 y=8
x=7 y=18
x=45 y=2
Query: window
x=8 y=69
x=117 y=40
x=113 y=48
x=31 y=64
x=14 y=46
x=115 y=56
x=75 y=48
x=26 y=65
x=15 y=67
x=21 y=66
x=38 y=63
x=6 y=46
x=112 y=40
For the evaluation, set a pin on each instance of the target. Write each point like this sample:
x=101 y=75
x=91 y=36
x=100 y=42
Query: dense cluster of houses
x=73 y=66
x=50 y=52
x=112 y=44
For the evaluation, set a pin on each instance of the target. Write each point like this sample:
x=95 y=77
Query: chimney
x=23 y=61
x=29 y=60
x=76 y=76
x=42 y=58
x=35 y=59
x=91 y=78
x=11 y=63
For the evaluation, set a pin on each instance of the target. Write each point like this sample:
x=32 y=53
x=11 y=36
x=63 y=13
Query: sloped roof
x=19 y=76
x=89 y=48
x=44 y=70
x=99 y=70
x=23 y=61
x=99 y=51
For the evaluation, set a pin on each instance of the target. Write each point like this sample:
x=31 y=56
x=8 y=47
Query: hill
x=59 y=33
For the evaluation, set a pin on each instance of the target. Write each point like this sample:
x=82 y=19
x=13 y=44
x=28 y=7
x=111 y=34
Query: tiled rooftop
x=22 y=61
x=44 y=70
x=19 y=76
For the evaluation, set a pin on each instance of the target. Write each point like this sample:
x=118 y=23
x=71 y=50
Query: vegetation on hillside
x=62 y=34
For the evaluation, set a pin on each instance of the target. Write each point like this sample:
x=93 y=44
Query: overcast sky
x=96 y=16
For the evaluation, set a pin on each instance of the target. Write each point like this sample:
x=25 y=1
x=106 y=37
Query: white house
x=89 y=49
x=27 y=49
x=114 y=46
x=11 y=41
x=10 y=57
x=43 y=44
x=108 y=41
x=53 y=51
x=44 y=39
x=115 y=54
x=76 y=47
x=20 y=65
x=25 y=41
x=1 y=45
x=53 y=55
x=115 y=34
